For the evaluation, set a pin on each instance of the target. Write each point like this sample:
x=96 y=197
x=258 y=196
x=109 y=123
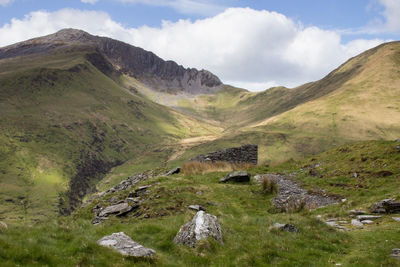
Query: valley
x=80 y=114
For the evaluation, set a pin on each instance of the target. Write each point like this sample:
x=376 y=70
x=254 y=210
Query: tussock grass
x=195 y=167
x=269 y=186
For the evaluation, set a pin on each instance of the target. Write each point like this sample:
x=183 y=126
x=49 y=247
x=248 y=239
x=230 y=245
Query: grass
x=244 y=212
x=195 y=167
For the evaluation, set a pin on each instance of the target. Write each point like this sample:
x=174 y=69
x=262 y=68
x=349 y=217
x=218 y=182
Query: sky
x=253 y=44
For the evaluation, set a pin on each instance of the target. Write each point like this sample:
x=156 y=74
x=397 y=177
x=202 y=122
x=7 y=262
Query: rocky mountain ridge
x=145 y=66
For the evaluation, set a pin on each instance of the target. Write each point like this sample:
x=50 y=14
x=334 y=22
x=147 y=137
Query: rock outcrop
x=243 y=154
x=126 y=246
x=238 y=177
x=386 y=206
x=202 y=226
x=118 y=207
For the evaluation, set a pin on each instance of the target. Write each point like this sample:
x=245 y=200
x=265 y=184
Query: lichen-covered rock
x=126 y=246
x=202 y=226
x=239 y=177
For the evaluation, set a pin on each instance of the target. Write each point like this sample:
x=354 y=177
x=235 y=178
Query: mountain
x=66 y=119
x=127 y=59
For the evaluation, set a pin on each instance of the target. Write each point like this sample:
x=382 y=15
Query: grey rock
x=356 y=223
x=285 y=227
x=239 y=177
x=395 y=252
x=116 y=209
x=203 y=225
x=367 y=217
x=397 y=219
x=126 y=246
x=197 y=207
x=173 y=171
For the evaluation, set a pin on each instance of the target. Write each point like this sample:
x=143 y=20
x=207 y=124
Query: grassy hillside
x=358 y=101
x=64 y=124
x=245 y=215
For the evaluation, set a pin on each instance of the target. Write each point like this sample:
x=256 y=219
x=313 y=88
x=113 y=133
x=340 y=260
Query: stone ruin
x=243 y=154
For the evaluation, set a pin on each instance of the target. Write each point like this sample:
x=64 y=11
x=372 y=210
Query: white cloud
x=5 y=2
x=244 y=47
x=391 y=14
x=89 y=1
x=202 y=7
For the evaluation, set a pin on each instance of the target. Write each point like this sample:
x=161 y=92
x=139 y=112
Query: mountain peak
x=69 y=35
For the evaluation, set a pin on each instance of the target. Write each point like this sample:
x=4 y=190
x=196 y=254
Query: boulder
x=126 y=246
x=386 y=206
x=202 y=226
x=239 y=177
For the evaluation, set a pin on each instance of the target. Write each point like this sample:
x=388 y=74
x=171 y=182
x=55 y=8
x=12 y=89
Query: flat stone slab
x=126 y=246
x=367 y=217
x=397 y=219
x=356 y=223
x=238 y=177
x=202 y=226
x=115 y=209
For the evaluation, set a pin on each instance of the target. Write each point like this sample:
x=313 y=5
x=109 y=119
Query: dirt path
x=292 y=197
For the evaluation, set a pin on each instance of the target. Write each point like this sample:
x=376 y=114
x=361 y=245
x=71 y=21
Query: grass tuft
x=269 y=186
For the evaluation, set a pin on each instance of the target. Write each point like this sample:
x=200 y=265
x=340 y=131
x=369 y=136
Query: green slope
x=64 y=124
x=245 y=215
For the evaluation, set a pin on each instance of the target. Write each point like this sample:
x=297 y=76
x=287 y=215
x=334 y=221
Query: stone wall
x=243 y=154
